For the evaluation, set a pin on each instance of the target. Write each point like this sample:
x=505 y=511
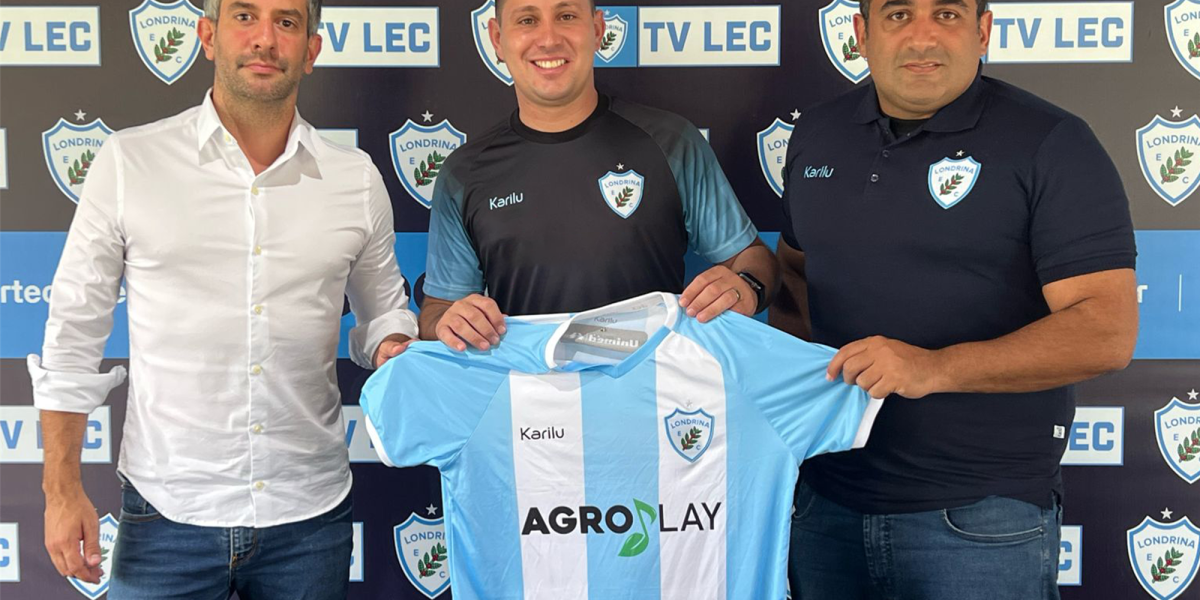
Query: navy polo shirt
x=946 y=236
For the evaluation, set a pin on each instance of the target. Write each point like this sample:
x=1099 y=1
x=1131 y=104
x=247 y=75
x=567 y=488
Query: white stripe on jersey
x=549 y=473
x=693 y=560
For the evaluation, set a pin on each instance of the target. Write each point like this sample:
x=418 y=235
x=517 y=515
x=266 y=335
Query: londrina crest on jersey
x=421 y=550
x=1168 y=153
x=1183 y=35
x=418 y=152
x=165 y=37
x=622 y=191
x=690 y=432
x=616 y=30
x=950 y=180
x=108 y=539
x=772 y=152
x=1177 y=426
x=480 y=17
x=70 y=150
x=837 y=31
x=1163 y=556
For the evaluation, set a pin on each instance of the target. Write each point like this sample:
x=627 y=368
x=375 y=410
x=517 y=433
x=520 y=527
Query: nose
x=547 y=35
x=265 y=40
x=923 y=34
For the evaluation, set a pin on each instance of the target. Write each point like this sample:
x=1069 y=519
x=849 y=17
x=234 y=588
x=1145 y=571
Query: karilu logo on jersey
x=567 y=520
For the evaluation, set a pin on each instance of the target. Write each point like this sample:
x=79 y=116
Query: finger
x=695 y=287
x=856 y=365
x=706 y=297
x=463 y=329
x=882 y=389
x=483 y=325
x=447 y=336
x=56 y=557
x=73 y=558
x=91 y=540
x=490 y=310
x=867 y=379
x=839 y=359
x=723 y=303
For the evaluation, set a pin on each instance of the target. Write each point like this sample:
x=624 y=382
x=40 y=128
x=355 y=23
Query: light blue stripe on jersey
x=617 y=414
x=481 y=508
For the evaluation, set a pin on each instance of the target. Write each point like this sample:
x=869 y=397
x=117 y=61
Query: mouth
x=922 y=67
x=261 y=68
x=549 y=64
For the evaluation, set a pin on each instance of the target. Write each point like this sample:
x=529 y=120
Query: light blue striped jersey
x=625 y=452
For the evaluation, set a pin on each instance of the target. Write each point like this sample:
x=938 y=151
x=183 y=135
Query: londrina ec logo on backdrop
x=1183 y=33
x=108 y=539
x=837 y=33
x=418 y=153
x=421 y=550
x=772 y=153
x=1177 y=427
x=165 y=37
x=1169 y=152
x=1163 y=556
x=70 y=150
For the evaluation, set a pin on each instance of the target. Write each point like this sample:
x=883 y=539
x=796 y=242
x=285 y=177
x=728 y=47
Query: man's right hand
x=474 y=320
x=70 y=519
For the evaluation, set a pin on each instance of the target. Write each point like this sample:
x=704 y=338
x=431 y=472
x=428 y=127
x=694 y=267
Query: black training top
x=943 y=236
x=564 y=222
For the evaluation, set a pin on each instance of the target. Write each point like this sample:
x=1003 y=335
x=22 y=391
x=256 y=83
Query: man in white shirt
x=237 y=231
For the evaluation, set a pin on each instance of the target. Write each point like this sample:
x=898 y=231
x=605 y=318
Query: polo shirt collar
x=962 y=113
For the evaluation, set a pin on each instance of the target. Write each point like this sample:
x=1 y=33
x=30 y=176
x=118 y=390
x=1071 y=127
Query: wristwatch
x=760 y=291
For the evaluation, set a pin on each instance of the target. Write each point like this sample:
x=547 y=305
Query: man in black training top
x=579 y=200
x=969 y=249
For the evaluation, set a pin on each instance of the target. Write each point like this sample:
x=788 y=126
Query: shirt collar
x=962 y=113
x=302 y=133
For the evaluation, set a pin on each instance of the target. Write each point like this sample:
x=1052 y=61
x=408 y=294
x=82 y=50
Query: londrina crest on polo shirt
x=622 y=191
x=951 y=179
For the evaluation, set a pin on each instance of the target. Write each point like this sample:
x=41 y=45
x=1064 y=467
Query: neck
x=553 y=119
x=260 y=128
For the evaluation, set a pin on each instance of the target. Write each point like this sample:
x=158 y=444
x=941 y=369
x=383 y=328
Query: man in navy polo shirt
x=968 y=246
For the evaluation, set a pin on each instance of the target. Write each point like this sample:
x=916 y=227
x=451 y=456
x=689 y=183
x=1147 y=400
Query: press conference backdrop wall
x=407 y=80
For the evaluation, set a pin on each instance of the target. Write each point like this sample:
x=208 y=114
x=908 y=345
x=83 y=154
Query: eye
x=242 y=17
x=947 y=15
x=288 y=23
x=897 y=16
x=568 y=17
x=525 y=21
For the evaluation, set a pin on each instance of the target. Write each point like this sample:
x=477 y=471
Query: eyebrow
x=532 y=8
x=287 y=12
x=905 y=3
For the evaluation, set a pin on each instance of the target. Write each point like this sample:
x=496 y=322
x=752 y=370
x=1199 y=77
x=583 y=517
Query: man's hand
x=883 y=366
x=474 y=320
x=715 y=291
x=391 y=347
x=70 y=519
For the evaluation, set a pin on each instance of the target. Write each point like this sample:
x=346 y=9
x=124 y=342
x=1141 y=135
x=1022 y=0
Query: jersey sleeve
x=1080 y=219
x=785 y=378
x=422 y=406
x=452 y=266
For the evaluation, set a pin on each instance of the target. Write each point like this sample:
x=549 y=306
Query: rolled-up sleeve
x=85 y=291
x=376 y=287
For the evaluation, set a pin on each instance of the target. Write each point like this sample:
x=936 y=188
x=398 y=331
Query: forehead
x=300 y=6
x=508 y=7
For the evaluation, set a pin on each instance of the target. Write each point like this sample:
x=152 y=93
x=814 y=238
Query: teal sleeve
x=717 y=225
x=452 y=266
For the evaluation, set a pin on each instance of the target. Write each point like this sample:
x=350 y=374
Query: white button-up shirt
x=235 y=285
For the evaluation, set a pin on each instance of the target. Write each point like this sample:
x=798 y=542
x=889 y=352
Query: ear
x=494 y=36
x=985 y=32
x=598 y=20
x=314 y=50
x=206 y=30
x=860 y=34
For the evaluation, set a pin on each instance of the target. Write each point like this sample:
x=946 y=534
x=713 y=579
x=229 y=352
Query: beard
x=243 y=85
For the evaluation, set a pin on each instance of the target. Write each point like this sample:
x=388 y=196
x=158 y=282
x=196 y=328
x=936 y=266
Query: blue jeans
x=159 y=559
x=995 y=549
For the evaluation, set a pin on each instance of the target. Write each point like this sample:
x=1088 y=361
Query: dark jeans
x=159 y=559
x=995 y=549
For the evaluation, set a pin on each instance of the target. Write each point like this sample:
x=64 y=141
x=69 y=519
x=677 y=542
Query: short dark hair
x=500 y=6
x=864 y=6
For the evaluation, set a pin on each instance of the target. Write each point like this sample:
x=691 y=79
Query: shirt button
x=259 y=485
x=257 y=429
x=257 y=250
x=874 y=177
x=228 y=139
x=254 y=190
x=255 y=370
x=258 y=309
x=886 y=154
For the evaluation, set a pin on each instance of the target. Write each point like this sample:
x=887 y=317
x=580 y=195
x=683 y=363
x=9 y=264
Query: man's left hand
x=883 y=366
x=715 y=291
x=390 y=347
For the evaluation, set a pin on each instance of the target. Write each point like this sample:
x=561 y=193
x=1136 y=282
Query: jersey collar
x=961 y=114
x=665 y=324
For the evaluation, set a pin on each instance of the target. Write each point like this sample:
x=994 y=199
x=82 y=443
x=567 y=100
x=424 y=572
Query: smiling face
x=923 y=53
x=548 y=46
x=261 y=48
